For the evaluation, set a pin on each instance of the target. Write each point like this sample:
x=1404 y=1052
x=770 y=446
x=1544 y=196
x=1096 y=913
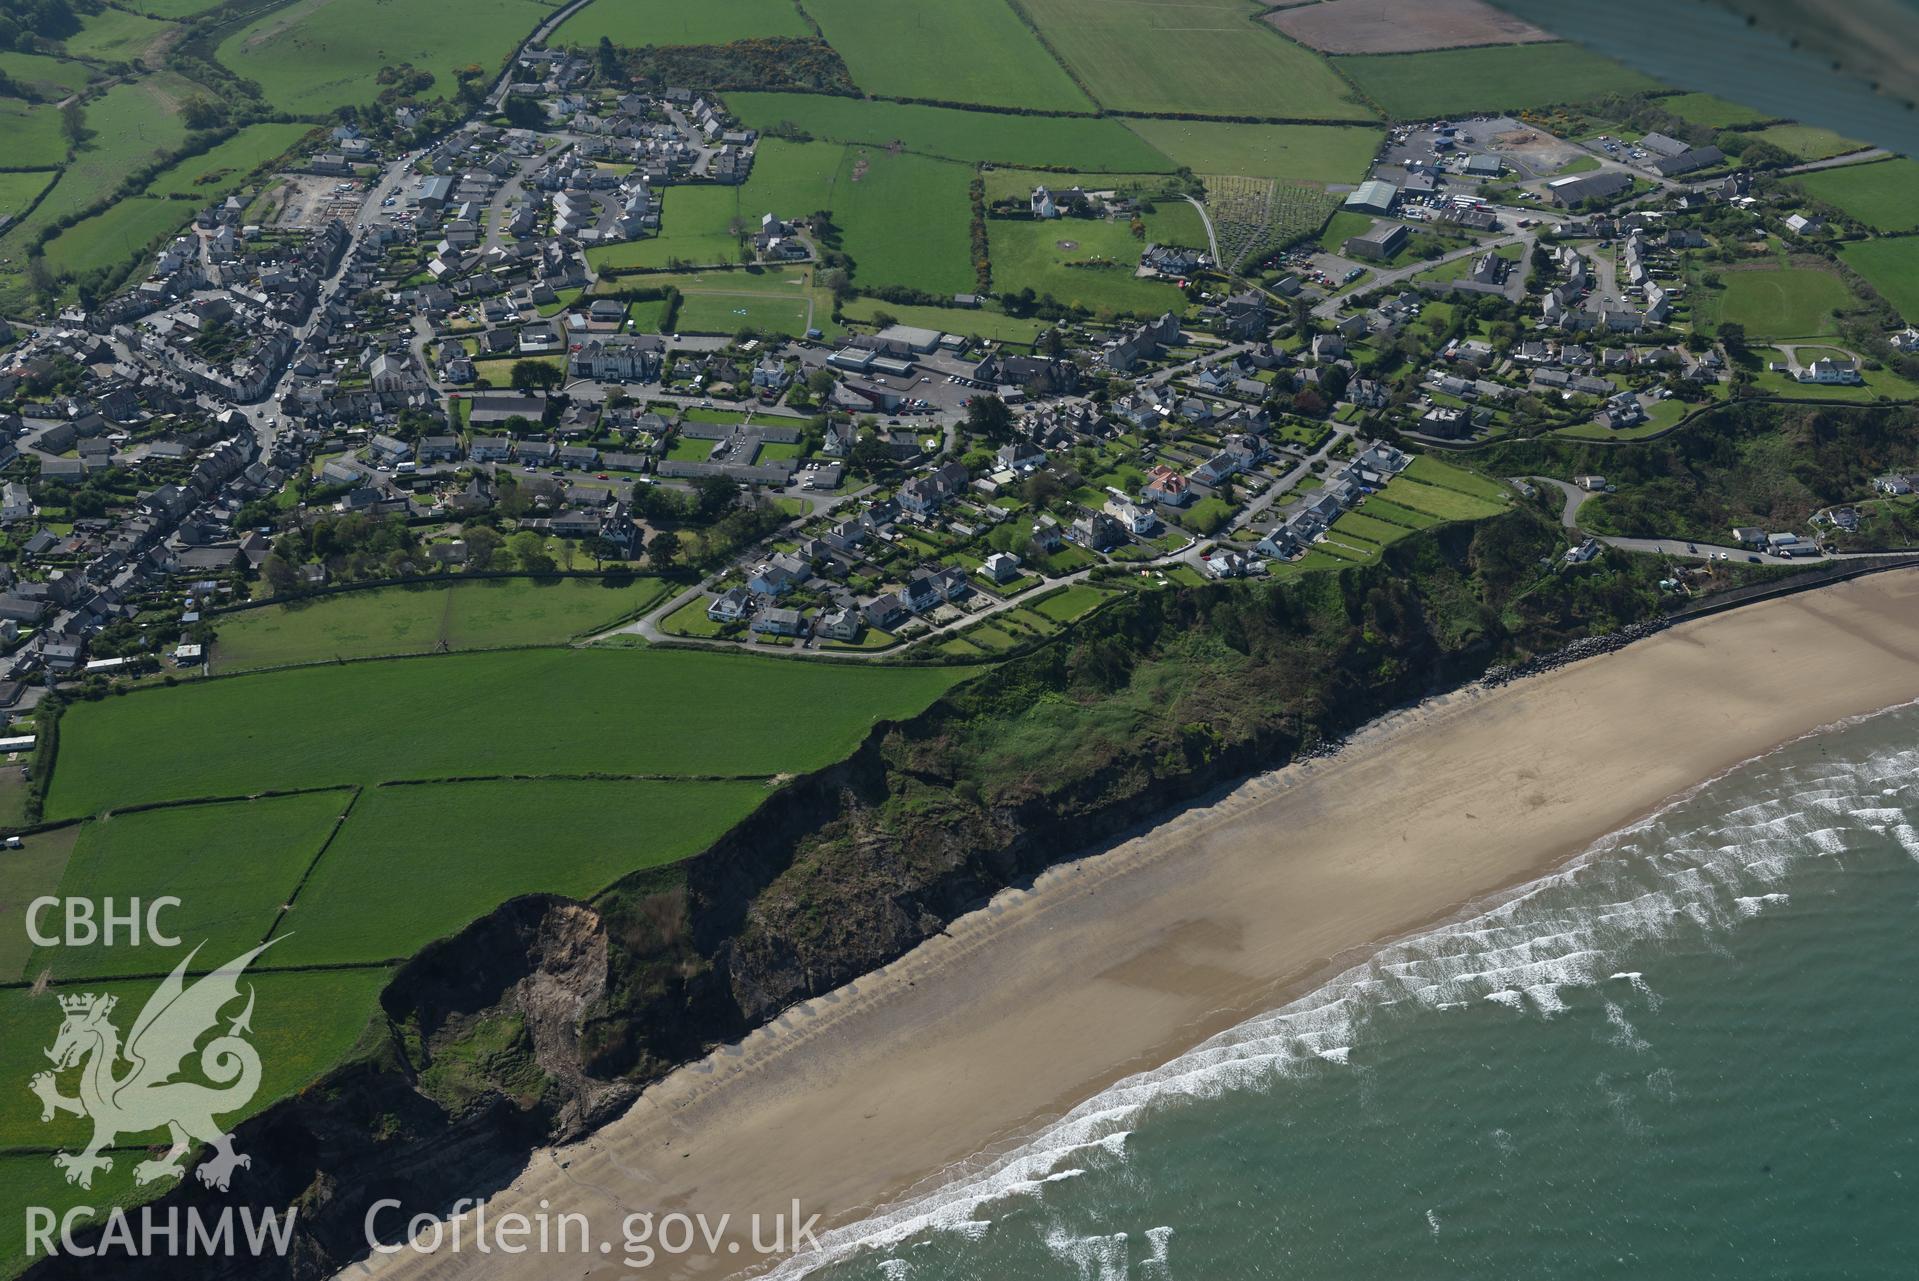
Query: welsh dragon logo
x=146 y=1096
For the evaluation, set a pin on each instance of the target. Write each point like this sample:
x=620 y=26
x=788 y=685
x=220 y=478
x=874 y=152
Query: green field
x=1035 y=254
x=904 y=217
x=33 y=133
x=907 y=220
x=1207 y=58
x=130 y=125
x=115 y=35
x=1891 y=266
x=1809 y=142
x=50 y=78
x=125 y=231
x=1017 y=184
x=315 y=55
x=302 y=1024
x=1300 y=153
x=1884 y=194
x=730 y=313
x=1419 y=86
x=547 y=711
x=1714 y=113
x=1072 y=603
x=791 y=179
x=1175 y=222
x=447 y=854
x=19 y=189
x=173 y=8
x=231 y=866
x=1777 y=302
x=769 y=297
x=974 y=323
x=487 y=613
x=226 y=166
x=974 y=51
x=1093 y=145
x=695 y=229
x=634 y=24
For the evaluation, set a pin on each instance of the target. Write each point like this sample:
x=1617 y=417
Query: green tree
x=529 y=375
x=529 y=550
x=664 y=549
x=482 y=544
x=988 y=418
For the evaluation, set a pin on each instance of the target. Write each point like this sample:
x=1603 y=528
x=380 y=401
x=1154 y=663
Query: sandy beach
x=1118 y=962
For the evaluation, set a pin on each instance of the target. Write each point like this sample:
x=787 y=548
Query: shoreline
x=1119 y=961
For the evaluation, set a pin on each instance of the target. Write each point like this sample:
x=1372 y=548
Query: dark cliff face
x=544 y=1019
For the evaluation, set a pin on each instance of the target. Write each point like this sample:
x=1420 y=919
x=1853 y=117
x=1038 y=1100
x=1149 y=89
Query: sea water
x=1691 y=1053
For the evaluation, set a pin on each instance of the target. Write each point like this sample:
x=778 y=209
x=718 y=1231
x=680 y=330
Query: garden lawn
x=231 y=866
x=315 y=55
x=1030 y=255
x=1884 y=194
x=481 y=613
x=302 y=1025
x=634 y=24
x=1890 y=266
x=20 y=189
x=1779 y=302
x=539 y=711
x=974 y=51
x=1446 y=82
x=1205 y=58
x=446 y=854
x=1089 y=144
x=906 y=220
x=1300 y=153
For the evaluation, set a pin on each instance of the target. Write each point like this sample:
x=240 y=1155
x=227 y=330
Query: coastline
x=1118 y=962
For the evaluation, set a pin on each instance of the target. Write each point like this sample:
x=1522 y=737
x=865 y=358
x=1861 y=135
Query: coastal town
x=419 y=337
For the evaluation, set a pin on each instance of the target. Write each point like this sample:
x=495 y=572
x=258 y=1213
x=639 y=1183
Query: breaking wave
x=1688 y=868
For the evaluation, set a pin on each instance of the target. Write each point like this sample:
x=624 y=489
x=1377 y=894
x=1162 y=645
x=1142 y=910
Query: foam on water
x=1684 y=868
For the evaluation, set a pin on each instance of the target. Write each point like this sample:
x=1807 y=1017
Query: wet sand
x=1120 y=961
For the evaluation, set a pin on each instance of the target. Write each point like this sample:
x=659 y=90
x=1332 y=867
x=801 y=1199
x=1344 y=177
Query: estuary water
x=1690 y=1053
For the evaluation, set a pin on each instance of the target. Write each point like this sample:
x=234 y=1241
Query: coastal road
x=1682 y=548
